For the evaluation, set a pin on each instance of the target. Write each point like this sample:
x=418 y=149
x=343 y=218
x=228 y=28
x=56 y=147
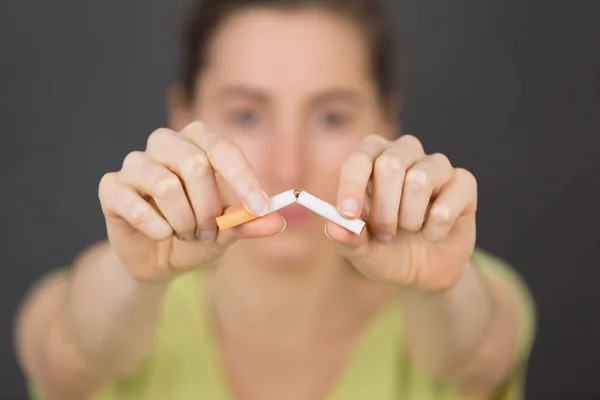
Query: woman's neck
x=292 y=306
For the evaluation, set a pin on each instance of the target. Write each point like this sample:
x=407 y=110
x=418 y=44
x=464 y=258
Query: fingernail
x=258 y=204
x=384 y=238
x=186 y=237
x=326 y=234
x=209 y=236
x=284 y=226
x=350 y=207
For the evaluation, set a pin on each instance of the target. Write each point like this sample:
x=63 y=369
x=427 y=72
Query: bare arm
x=82 y=329
x=467 y=334
x=96 y=323
x=462 y=326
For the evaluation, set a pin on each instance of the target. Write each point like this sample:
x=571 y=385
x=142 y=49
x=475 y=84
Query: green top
x=184 y=362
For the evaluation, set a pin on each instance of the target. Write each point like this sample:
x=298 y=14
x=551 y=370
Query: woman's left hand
x=420 y=214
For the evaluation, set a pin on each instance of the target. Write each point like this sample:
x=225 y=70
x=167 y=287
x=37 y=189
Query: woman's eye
x=333 y=120
x=245 y=118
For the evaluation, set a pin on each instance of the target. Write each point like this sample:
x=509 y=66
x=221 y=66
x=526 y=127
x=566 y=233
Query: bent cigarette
x=329 y=212
x=242 y=215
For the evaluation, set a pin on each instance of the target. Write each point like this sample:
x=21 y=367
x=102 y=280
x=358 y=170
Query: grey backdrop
x=509 y=89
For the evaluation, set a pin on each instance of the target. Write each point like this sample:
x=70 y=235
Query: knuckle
x=434 y=235
x=413 y=226
x=196 y=165
x=411 y=222
x=375 y=139
x=410 y=141
x=418 y=178
x=166 y=186
x=158 y=136
x=467 y=176
x=359 y=159
x=389 y=165
x=408 y=138
x=195 y=127
x=220 y=148
x=440 y=159
x=132 y=159
x=105 y=184
x=138 y=214
x=441 y=215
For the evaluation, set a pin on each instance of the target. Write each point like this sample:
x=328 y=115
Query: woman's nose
x=288 y=154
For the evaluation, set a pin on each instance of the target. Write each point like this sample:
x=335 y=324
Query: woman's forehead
x=278 y=50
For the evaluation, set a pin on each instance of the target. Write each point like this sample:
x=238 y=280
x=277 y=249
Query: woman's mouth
x=295 y=214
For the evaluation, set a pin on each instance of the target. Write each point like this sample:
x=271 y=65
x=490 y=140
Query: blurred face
x=293 y=89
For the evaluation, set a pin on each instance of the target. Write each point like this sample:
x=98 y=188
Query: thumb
x=350 y=246
x=269 y=225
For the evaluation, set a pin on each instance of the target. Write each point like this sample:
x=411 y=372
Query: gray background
x=509 y=89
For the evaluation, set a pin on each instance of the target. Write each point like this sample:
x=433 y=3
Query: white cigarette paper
x=329 y=212
x=281 y=200
x=242 y=216
x=287 y=198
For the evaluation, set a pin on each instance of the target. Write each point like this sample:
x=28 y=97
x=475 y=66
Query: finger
x=388 y=180
x=229 y=161
x=409 y=142
x=191 y=164
x=165 y=188
x=356 y=173
x=120 y=201
x=422 y=182
x=457 y=198
x=344 y=237
x=269 y=225
x=356 y=249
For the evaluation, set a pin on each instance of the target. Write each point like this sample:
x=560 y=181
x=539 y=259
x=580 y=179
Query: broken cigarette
x=284 y=199
x=329 y=212
x=242 y=215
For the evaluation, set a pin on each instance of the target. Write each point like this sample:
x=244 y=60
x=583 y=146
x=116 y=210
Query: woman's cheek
x=255 y=150
x=333 y=150
x=328 y=156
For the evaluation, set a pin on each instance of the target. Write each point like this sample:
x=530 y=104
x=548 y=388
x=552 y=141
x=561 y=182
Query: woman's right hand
x=161 y=207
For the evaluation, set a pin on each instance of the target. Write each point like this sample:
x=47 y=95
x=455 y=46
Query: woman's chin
x=293 y=247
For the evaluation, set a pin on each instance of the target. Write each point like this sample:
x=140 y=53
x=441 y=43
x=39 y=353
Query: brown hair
x=206 y=16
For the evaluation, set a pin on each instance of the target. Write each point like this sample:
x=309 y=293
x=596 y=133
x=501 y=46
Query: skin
x=308 y=117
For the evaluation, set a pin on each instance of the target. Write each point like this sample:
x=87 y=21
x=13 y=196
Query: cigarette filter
x=329 y=212
x=242 y=215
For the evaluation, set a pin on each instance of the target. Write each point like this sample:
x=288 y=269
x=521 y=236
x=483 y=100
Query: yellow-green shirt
x=184 y=362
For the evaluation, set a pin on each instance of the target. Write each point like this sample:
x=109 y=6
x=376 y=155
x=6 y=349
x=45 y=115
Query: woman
x=291 y=94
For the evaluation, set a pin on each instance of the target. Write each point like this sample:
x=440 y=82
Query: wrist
x=122 y=273
x=465 y=280
x=447 y=329
x=103 y=305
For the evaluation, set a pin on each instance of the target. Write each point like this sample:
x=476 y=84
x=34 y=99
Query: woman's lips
x=295 y=214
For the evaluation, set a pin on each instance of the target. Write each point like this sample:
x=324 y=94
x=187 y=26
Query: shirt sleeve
x=514 y=388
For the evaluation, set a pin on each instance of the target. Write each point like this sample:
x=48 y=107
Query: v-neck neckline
x=383 y=328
